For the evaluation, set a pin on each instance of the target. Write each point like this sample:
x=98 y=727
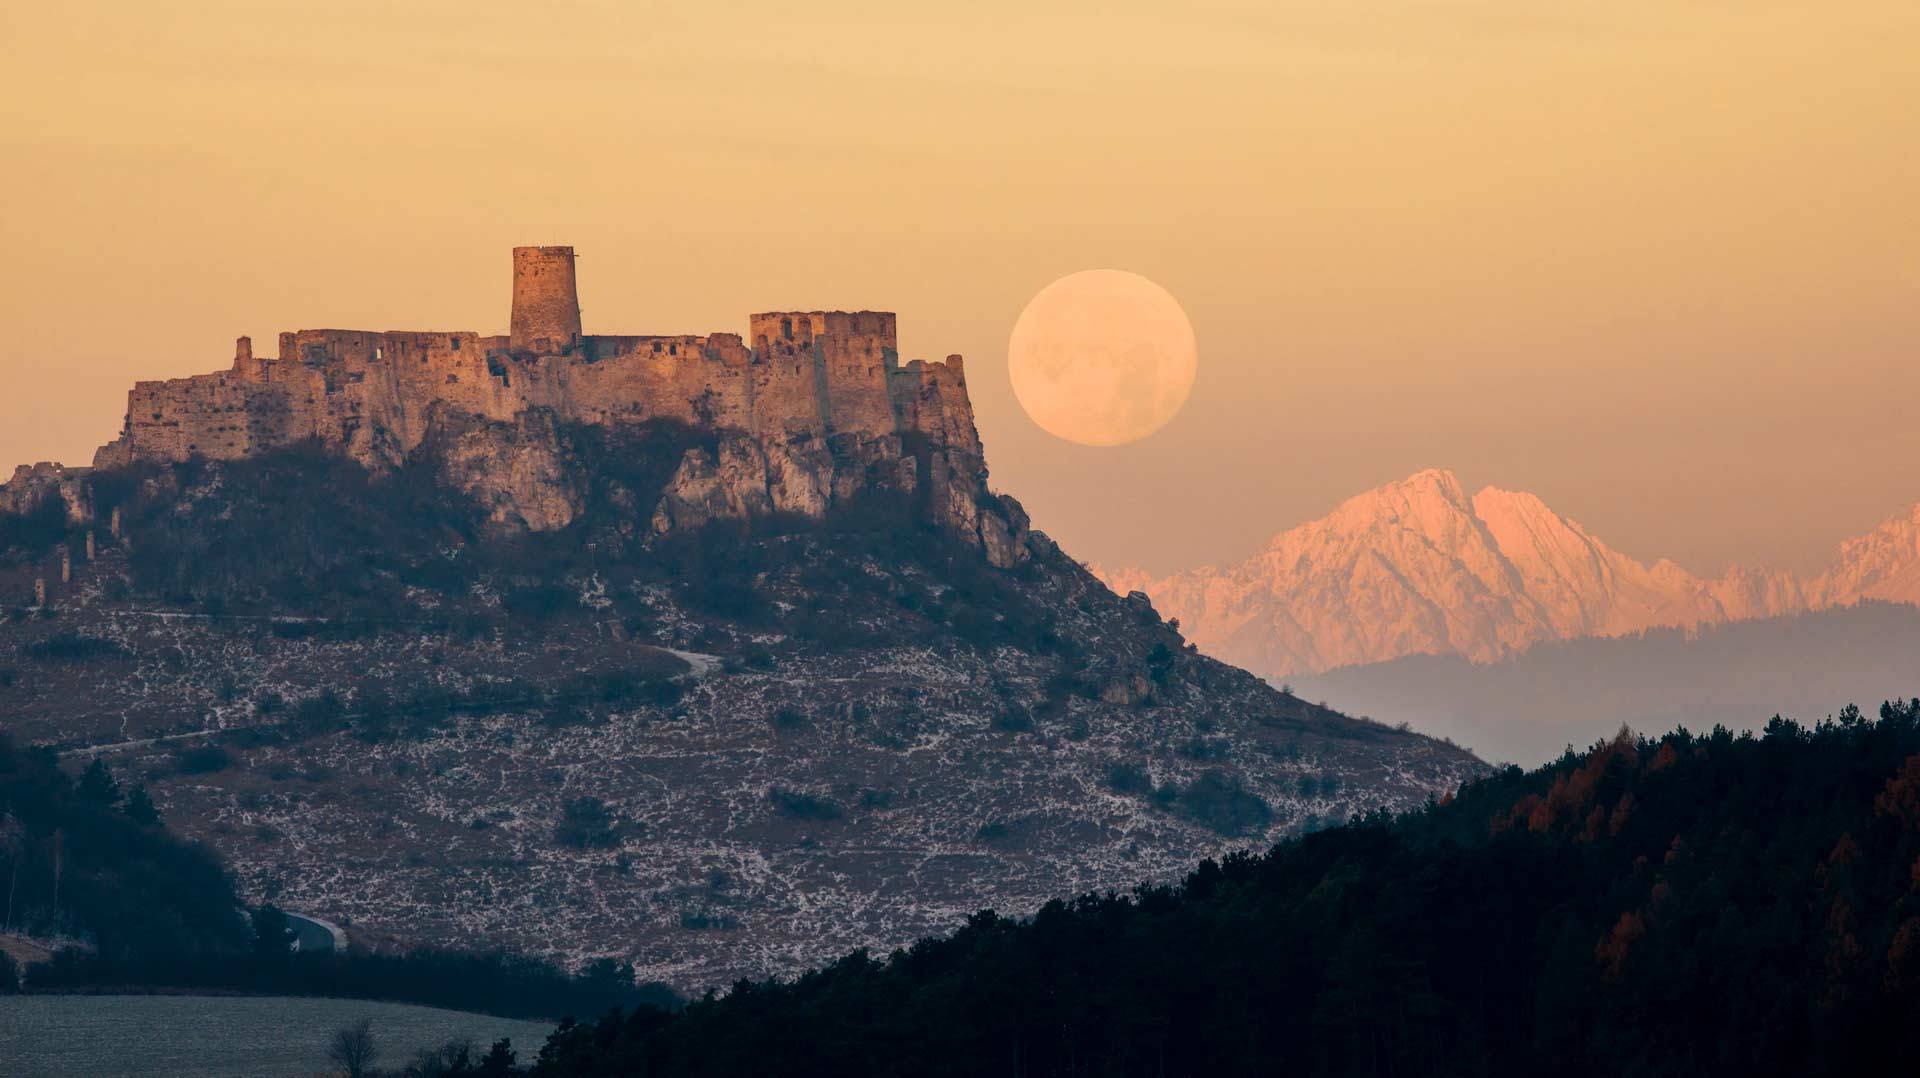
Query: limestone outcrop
x=33 y=485
x=518 y=473
x=809 y=410
x=805 y=476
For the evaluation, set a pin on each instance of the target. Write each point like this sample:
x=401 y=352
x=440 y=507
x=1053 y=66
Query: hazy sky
x=1657 y=261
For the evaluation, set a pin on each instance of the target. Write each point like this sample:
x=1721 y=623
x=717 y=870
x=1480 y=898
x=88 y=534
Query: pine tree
x=273 y=933
x=140 y=807
x=498 y=1062
x=97 y=786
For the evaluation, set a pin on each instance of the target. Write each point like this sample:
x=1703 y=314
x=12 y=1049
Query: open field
x=222 y=1036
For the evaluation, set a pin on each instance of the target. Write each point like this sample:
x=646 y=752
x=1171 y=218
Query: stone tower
x=546 y=305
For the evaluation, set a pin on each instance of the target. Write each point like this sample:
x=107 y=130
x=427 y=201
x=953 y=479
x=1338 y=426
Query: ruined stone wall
x=860 y=351
x=700 y=381
x=820 y=398
x=850 y=353
x=930 y=400
x=788 y=380
x=218 y=416
x=370 y=393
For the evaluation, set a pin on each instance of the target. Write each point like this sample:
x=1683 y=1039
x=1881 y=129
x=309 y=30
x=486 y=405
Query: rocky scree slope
x=732 y=749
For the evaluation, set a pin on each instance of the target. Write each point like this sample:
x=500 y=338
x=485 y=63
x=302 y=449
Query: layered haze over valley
x=1420 y=568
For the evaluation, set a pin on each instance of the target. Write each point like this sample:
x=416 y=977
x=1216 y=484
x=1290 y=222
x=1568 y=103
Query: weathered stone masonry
x=812 y=408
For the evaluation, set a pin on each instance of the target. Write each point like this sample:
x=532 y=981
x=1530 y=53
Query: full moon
x=1102 y=357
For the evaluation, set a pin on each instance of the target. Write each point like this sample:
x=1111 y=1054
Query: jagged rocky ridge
x=1419 y=568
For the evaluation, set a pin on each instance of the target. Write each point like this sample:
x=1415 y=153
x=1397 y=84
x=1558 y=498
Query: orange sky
x=1657 y=261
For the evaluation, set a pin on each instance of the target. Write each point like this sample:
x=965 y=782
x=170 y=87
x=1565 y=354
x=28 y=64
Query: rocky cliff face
x=35 y=485
x=1417 y=567
x=807 y=475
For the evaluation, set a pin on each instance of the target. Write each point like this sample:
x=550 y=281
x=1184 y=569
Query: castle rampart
x=810 y=409
x=370 y=393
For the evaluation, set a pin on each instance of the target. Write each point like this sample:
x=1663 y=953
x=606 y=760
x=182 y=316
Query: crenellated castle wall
x=370 y=393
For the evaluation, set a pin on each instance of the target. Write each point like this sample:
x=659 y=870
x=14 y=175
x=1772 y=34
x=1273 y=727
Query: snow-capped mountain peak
x=1416 y=567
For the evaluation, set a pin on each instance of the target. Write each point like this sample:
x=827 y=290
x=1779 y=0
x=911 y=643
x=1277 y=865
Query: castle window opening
x=786 y=328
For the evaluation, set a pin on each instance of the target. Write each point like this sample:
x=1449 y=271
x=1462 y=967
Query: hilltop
x=718 y=682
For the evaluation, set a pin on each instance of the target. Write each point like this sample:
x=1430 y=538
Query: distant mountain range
x=1419 y=568
x=1528 y=708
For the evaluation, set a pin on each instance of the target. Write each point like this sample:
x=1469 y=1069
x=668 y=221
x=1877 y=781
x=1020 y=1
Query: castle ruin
x=810 y=408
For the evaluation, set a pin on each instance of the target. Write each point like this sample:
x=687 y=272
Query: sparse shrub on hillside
x=586 y=823
x=1130 y=779
x=68 y=646
x=831 y=629
x=787 y=720
x=32 y=534
x=1013 y=719
x=202 y=760
x=317 y=715
x=1070 y=683
x=304 y=628
x=563 y=713
x=539 y=602
x=1160 y=663
x=1199 y=747
x=974 y=624
x=993 y=831
x=707 y=921
x=802 y=806
x=1221 y=802
x=634 y=685
x=1315 y=786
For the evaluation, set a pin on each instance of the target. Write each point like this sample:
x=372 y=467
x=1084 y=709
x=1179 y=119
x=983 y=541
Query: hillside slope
x=725 y=752
x=1680 y=906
